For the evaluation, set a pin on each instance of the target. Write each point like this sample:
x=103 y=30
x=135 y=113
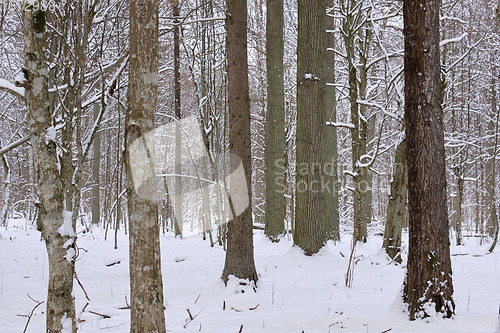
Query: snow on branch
x=11 y=88
x=337 y=124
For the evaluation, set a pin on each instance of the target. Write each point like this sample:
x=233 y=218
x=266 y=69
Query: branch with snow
x=19 y=92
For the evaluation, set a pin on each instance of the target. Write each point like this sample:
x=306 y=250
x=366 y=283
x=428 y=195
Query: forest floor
x=295 y=293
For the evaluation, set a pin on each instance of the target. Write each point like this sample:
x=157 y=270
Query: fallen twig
x=32 y=311
x=100 y=314
x=255 y=307
x=190 y=320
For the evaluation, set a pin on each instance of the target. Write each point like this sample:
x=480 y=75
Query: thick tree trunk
x=56 y=228
x=396 y=209
x=239 y=255
x=313 y=181
x=146 y=286
x=275 y=122
x=429 y=278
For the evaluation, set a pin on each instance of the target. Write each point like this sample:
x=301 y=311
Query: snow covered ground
x=295 y=293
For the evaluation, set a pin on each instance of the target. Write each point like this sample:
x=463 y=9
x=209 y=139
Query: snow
x=294 y=293
x=66 y=229
x=339 y=124
x=50 y=135
x=4 y=84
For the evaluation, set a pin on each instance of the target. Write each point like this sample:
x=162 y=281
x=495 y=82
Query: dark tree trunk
x=146 y=286
x=275 y=122
x=311 y=226
x=239 y=254
x=429 y=277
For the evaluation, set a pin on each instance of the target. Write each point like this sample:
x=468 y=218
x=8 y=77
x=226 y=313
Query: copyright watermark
x=28 y=5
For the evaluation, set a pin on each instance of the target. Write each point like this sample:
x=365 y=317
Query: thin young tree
x=429 y=277
x=239 y=255
x=146 y=286
x=56 y=228
x=275 y=122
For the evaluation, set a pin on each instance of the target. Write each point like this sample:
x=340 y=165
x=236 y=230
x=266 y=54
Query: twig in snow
x=32 y=311
x=241 y=329
x=190 y=320
x=390 y=329
x=255 y=307
x=197 y=298
x=100 y=314
x=189 y=313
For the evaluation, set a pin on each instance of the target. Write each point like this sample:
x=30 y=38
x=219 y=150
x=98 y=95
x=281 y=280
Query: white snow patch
x=310 y=76
x=66 y=229
x=67 y=324
x=50 y=135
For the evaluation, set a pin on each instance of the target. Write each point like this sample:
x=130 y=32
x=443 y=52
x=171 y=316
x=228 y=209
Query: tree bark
x=178 y=142
x=330 y=144
x=275 y=122
x=240 y=254
x=429 y=278
x=396 y=209
x=313 y=181
x=146 y=286
x=96 y=170
x=60 y=313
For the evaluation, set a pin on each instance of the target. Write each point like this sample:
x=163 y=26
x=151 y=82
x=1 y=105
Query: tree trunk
x=178 y=142
x=313 y=181
x=330 y=146
x=275 y=122
x=396 y=209
x=493 y=225
x=429 y=278
x=96 y=170
x=6 y=191
x=55 y=227
x=146 y=286
x=239 y=255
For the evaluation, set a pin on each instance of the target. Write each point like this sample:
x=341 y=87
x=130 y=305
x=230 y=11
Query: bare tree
x=239 y=255
x=54 y=223
x=428 y=277
x=275 y=122
x=146 y=286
